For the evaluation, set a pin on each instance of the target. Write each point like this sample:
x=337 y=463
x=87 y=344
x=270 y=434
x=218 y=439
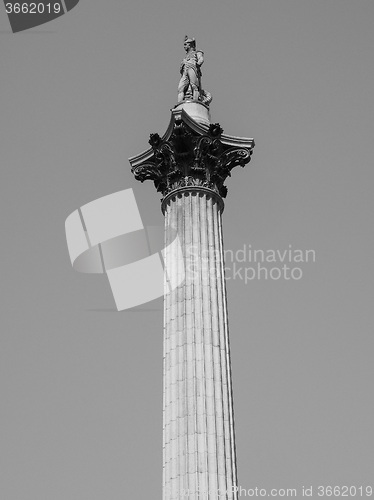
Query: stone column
x=189 y=165
x=199 y=446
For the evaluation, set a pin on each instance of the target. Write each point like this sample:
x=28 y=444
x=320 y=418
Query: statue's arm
x=200 y=57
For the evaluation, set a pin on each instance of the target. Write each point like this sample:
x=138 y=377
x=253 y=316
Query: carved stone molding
x=192 y=191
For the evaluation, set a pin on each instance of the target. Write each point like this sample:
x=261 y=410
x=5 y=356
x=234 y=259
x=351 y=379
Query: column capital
x=191 y=154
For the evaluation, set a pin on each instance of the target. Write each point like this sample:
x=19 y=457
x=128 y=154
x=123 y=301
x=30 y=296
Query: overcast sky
x=81 y=384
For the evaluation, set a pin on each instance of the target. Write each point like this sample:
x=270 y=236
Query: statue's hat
x=189 y=40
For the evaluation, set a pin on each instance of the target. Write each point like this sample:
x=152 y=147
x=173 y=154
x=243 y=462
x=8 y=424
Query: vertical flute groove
x=228 y=365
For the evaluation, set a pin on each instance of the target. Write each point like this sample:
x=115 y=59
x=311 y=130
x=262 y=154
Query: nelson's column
x=189 y=166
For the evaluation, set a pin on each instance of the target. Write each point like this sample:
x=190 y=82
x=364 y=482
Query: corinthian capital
x=191 y=155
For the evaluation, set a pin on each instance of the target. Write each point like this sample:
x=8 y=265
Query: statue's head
x=189 y=43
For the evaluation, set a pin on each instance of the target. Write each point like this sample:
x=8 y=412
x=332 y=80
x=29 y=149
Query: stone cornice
x=191 y=154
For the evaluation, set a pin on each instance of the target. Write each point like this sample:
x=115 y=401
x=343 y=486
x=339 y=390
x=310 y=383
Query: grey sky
x=81 y=385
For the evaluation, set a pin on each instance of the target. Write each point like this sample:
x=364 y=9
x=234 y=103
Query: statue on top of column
x=189 y=87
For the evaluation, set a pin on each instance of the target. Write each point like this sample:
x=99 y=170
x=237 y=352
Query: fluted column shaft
x=198 y=433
